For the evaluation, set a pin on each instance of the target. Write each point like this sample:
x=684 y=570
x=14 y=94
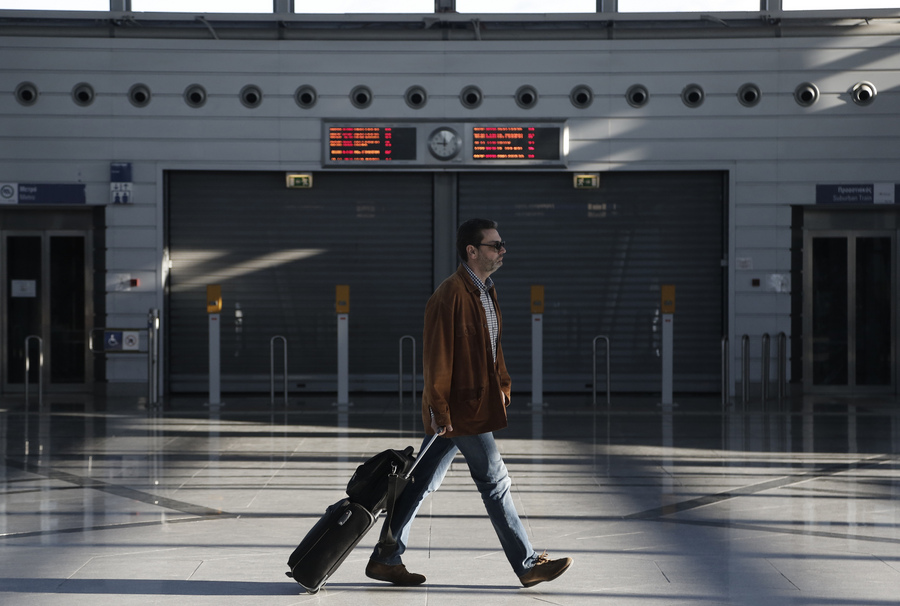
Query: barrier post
x=537 y=346
x=284 y=345
x=745 y=369
x=214 y=309
x=726 y=372
x=153 y=357
x=40 y=343
x=594 y=386
x=342 y=308
x=412 y=340
x=782 y=370
x=766 y=362
x=667 y=306
x=40 y=383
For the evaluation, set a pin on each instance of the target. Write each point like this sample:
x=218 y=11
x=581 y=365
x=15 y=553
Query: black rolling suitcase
x=371 y=490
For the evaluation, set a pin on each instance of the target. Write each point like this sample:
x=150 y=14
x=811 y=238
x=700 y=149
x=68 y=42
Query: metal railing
x=765 y=368
x=40 y=343
x=400 y=377
x=726 y=372
x=40 y=383
x=766 y=362
x=594 y=385
x=781 y=343
x=745 y=369
x=284 y=345
x=153 y=357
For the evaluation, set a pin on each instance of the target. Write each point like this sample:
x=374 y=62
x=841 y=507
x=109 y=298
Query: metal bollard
x=726 y=371
x=594 y=386
x=152 y=357
x=782 y=366
x=272 y=369
x=400 y=380
x=40 y=341
x=766 y=361
x=745 y=369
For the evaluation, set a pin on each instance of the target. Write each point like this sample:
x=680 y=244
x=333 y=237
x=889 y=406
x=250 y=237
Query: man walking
x=467 y=390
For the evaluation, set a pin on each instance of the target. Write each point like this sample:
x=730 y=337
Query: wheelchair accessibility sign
x=121 y=340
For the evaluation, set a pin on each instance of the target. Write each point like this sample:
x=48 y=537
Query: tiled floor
x=116 y=505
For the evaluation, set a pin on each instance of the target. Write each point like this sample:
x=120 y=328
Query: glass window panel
x=873 y=311
x=201 y=6
x=683 y=6
x=526 y=6
x=818 y=5
x=55 y=5
x=829 y=311
x=363 y=6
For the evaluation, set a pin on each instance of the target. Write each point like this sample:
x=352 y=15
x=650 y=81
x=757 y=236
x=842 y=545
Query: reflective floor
x=105 y=502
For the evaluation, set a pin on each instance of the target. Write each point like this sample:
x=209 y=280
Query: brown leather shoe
x=545 y=569
x=398 y=575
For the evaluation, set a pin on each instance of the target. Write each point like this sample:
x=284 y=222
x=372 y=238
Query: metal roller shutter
x=602 y=255
x=279 y=253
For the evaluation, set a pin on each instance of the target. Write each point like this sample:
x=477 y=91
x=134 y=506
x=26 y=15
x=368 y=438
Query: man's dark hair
x=471 y=232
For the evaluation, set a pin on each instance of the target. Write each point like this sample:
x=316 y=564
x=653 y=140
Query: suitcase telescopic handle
x=419 y=456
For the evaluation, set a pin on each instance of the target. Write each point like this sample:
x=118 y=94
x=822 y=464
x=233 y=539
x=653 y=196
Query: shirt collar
x=481 y=285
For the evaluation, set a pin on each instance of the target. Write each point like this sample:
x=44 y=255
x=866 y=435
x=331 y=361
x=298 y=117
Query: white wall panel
x=777 y=150
x=754 y=237
x=135 y=237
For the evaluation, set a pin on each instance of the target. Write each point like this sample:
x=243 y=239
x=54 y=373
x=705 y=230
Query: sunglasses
x=495 y=245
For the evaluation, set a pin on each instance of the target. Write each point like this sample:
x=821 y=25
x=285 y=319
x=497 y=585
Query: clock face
x=444 y=143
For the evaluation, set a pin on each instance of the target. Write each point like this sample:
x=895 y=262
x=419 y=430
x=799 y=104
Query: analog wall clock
x=444 y=143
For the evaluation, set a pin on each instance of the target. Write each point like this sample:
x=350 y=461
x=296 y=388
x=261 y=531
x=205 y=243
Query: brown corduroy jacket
x=463 y=386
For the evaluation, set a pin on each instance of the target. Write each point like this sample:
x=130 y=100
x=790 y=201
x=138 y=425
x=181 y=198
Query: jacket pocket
x=470 y=394
x=465 y=331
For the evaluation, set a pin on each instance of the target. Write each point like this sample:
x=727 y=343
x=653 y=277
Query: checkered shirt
x=490 y=313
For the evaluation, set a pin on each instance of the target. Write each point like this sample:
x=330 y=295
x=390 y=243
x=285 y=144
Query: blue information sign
x=52 y=193
x=857 y=193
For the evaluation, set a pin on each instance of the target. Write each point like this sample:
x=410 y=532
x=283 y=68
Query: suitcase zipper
x=345 y=517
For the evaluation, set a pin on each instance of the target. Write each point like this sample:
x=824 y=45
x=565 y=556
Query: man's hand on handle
x=440 y=430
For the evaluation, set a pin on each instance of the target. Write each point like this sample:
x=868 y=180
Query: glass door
x=849 y=326
x=46 y=294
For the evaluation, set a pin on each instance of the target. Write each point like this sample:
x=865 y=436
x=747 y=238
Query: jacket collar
x=469 y=277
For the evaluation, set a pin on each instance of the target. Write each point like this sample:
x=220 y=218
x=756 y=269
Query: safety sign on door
x=121 y=340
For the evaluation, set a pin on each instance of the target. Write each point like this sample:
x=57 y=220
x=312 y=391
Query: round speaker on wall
x=306 y=96
x=581 y=96
x=416 y=97
x=361 y=96
x=637 y=95
x=83 y=94
x=139 y=95
x=27 y=93
x=806 y=94
x=195 y=95
x=526 y=97
x=251 y=96
x=693 y=95
x=863 y=93
x=470 y=97
x=749 y=95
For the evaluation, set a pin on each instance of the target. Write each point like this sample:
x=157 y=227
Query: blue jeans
x=489 y=472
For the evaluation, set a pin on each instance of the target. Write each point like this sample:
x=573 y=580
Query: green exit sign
x=299 y=181
x=587 y=180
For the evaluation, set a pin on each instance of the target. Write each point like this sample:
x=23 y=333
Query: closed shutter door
x=602 y=255
x=278 y=253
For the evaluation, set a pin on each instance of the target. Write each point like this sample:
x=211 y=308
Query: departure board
x=515 y=143
x=371 y=143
